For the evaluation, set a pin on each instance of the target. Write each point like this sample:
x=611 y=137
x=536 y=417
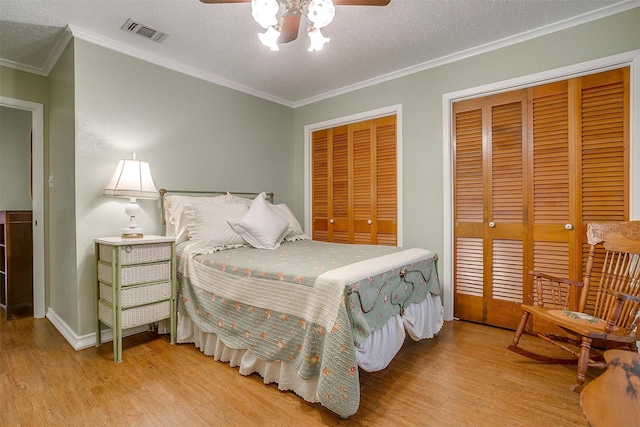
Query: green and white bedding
x=305 y=305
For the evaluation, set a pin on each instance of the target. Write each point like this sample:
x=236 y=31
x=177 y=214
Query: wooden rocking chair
x=613 y=320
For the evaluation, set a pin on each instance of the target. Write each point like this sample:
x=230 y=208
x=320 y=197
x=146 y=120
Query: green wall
x=194 y=134
x=15 y=159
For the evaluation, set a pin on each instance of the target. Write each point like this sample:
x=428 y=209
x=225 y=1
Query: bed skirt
x=421 y=321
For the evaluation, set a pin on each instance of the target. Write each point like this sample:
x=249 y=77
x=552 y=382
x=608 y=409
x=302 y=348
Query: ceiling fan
x=319 y=13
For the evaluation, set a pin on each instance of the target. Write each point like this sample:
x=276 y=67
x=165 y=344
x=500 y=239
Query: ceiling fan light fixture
x=282 y=18
x=317 y=39
x=321 y=12
x=270 y=38
x=264 y=12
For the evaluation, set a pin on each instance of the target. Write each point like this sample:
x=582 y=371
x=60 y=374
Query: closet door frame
x=339 y=121
x=631 y=59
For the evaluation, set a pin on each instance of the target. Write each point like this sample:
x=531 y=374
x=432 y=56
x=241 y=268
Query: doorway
x=37 y=177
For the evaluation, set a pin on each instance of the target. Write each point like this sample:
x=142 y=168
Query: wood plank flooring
x=464 y=377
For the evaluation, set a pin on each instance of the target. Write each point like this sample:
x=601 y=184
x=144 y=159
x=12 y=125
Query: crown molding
x=83 y=34
x=90 y=37
x=478 y=50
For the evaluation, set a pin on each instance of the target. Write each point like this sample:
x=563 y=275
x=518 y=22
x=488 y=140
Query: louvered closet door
x=554 y=188
x=363 y=199
x=469 y=219
x=490 y=187
x=603 y=149
x=354 y=174
x=320 y=184
x=506 y=187
x=384 y=229
x=571 y=167
x=340 y=225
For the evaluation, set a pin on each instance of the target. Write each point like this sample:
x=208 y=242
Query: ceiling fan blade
x=360 y=2
x=290 y=27
x=225 y=1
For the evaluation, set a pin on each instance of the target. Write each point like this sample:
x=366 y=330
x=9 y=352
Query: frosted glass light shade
x=321 y=12
x=270 y=38
x=317 y=40
x=264 y=12
x=132 y=179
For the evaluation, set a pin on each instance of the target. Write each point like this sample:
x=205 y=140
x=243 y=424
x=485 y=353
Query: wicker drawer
x=135 y=316
x=134 y=254
x=137 y=295
x=137 y=273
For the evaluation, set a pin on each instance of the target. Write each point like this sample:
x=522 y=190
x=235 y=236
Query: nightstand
x=135 y=285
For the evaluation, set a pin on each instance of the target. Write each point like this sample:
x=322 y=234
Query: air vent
x=144 y=31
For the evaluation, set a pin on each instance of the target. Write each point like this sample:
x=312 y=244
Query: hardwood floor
x=464 y=377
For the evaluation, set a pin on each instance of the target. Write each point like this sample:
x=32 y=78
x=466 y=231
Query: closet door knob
x=492 y=224
x=568 y=226
x=369 y=222
x=331 y=221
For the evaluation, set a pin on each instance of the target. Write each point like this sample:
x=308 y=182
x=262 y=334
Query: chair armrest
x=555 y=279
x=551 y=291
x=624 y=296
x=616 y=311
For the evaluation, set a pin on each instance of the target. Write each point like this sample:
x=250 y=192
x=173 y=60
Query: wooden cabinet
x=16 y=263
x=135 y=285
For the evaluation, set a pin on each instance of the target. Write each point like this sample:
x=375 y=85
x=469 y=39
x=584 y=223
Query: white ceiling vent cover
x=144 y=31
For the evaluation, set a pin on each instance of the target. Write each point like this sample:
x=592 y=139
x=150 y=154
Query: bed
x=255 y=291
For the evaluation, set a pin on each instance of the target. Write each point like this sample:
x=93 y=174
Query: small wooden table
x=613 y=399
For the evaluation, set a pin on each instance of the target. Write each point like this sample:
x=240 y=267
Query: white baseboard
x=88 y=340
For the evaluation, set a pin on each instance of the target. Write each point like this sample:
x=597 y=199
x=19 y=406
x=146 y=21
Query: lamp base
x=132 y=233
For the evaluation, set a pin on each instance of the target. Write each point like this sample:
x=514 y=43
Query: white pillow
x=176 y=209
x=237 y=199
x=261 y=227
x=295 y=229
x=208 y=228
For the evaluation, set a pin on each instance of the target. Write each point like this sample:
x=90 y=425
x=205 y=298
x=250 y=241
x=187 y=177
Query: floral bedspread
x=305 y=303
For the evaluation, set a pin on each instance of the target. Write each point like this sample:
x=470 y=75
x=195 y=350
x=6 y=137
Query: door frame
x=631 y=59
x=37 y=127
x=354 y=118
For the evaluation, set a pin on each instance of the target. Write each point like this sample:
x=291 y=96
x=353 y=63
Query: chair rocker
x=611 y=322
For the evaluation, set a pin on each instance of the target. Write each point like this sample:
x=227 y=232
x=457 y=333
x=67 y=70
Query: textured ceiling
x=219 y=42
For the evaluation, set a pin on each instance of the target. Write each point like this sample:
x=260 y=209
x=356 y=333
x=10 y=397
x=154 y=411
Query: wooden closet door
x=469 y=217
x=553 y=221
x=489 y=207
x=354 y=183
x=340 y=225
x=384 y=230
x=573 y=169
x=361 y=143
x=505 y=188
x=602 y=130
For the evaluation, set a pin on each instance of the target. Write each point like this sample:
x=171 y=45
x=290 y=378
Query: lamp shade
x=132 y=179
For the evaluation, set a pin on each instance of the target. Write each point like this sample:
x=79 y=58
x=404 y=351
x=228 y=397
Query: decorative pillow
x=295 y=229
x=176 y=209
x=208 y=228
x=261 y=227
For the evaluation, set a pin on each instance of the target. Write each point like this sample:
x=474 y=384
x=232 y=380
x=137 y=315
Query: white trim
x=50 y=62
x=631 y=59
x=37 y=126
x=354 y=118
x=88 y=340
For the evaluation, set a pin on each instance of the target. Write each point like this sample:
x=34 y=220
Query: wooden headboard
x=202 y=193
